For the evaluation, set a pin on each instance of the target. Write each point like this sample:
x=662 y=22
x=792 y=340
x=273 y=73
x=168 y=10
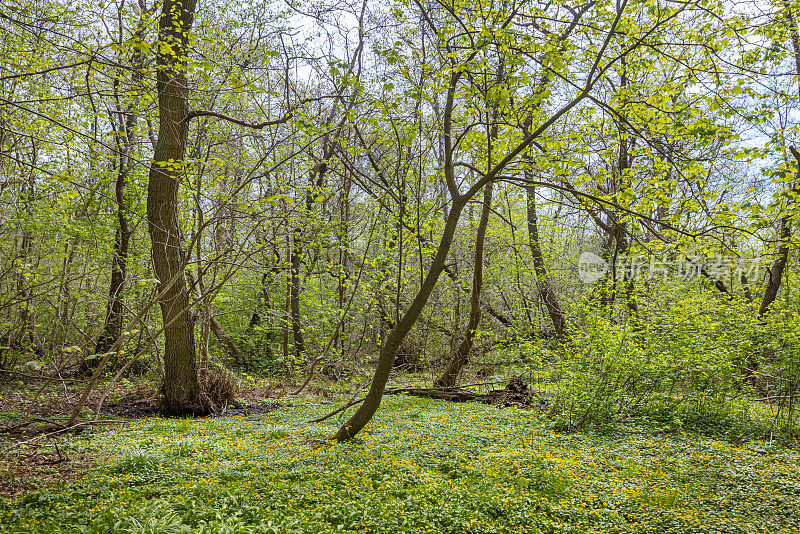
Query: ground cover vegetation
x=423 y=466
x=409 y=265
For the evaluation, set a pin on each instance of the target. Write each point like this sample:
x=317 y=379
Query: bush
x=684 y=358
x=255 y=351
x=139 y=461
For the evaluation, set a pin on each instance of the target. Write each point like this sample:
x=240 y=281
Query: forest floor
x=425 y=466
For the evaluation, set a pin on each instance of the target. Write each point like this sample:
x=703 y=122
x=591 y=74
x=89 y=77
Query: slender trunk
x=119 y=263
x=450 y=376
x=461 y=356
x=28 y=339
x=294 y=294
x=546 y=291
x=180 y=386
x=288 y=304
x=393 y=340
x=344 y=262
x=785 y=233
x=298 y=245
x=452 y=272
x=779 y=265
x=518 y=270
x=214 y=325
x=122 y=238
x=119 y=259
x=387 y=318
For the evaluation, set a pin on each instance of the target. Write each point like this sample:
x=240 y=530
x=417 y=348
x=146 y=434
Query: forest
x=399 y=266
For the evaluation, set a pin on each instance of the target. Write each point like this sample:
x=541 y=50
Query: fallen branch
x=516 y=393
x=77 y=426
x=30 y=422
x=451 y=393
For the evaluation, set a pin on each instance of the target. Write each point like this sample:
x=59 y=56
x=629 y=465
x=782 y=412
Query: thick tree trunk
x=180 y=387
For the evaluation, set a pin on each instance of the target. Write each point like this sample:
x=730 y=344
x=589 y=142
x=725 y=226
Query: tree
x=180 y=386
x=473 y=43
x=459 y=359
x=124 y=118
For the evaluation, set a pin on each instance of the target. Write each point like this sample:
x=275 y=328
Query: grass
x=421 y=466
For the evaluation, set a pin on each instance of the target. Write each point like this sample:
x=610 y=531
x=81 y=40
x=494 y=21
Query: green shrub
x=682 y=361
x=256 y=354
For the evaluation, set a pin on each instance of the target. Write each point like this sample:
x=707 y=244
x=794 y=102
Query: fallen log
x=516 y=393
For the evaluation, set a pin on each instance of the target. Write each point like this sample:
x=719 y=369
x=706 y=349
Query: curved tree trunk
x=389 y=349
x=180 y=387
x=779 y=265
x=392 y=343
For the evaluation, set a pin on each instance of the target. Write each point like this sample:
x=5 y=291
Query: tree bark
x=389 y=349
x=546 y=291
x=450 y=375
x=393 y=340
x=119 y=259
x=785 y=235
x=294 y=294
x=316 y=181
x=27 y=339
x=180 y=386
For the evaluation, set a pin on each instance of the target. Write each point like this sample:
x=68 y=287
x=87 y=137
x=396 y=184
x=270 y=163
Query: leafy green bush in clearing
x=686 y=358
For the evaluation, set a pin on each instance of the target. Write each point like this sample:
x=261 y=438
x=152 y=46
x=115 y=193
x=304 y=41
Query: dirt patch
x=135 y=406
x=32 y=437
x=22 y=471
